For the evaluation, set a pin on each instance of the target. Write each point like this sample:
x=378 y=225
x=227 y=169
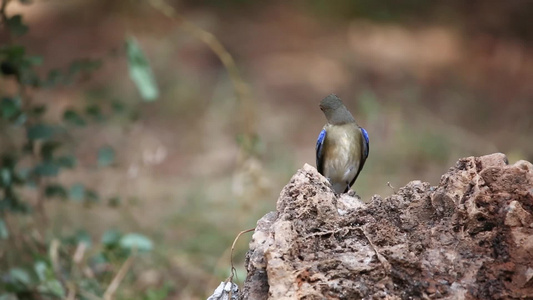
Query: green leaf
x=8 y=296
x=111 y=237
x=13 y=52
x=83 y=65
x=5 y=177
x=66 y=161
x=55 y=190
x=114 y=202
x=72 y=117
x=140 y=71
x=118 y=106
x=54 y=77
x=10 y=107
x=15 y=25
x=32 y=61
x=80 y=66
x=94 y=111
x=20 y=119
x=82 y=236
x=47 y=168
x=4 y=232
x=53 y=287
x=38 y=110
x=136 y=241
x=20 y=276
x=106 y=156
x=77 y=192
x=91 y=196
x=48 y=148
x=40 y=132
x=40 y=268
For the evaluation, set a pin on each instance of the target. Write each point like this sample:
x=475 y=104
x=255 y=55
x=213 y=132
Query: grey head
x=335 y=111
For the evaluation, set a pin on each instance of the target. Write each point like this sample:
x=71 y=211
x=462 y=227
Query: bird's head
x=330 y=103
x=335 y=111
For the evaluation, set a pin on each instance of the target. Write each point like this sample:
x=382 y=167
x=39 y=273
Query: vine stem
x=242 y=92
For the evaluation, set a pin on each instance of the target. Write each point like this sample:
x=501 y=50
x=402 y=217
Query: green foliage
x=134 y=241
x=15 y=25
x=72 y=117
x=106 y=156
x=140 y=71
x=40 y=150
x=42 y=275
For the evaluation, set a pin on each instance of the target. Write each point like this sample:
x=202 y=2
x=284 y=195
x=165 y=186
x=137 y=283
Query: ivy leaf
x=72 y=117
x=10 y=107
x=66 y=161
x=19 y=276
x=38 y=110
x=91 y=196
x=40 y=269
x=55 y=190
x=140 y=71
x=54 y=77
x=83 y=65
x=118 y=107
x=94 y=111
x=48 y=148
x=4 y=232
x=53 y=287
x=113 y=202
x=111 y=238
x=5 y=177
x=106 y=156
x=136 y=241
x=32 y=60
x=77 y=192
x=40 y=132
x=15 y=25
x=47 y=168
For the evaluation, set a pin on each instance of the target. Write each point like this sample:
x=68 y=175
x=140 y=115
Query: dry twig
x=113 y=286
x=241 y=88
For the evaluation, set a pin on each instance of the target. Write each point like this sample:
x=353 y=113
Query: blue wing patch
x=367 y=142
x=319 y=149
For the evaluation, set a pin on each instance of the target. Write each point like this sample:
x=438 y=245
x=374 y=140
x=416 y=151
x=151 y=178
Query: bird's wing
x=366 y=143
x=365 y=149
x=320 y=151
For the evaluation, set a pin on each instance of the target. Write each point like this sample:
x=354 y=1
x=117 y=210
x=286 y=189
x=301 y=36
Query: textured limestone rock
x=470 y=237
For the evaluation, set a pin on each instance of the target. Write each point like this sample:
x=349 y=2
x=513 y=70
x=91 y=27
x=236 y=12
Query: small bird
x=342 y=146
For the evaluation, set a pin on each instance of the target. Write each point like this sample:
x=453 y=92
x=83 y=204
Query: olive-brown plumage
x=342 y=146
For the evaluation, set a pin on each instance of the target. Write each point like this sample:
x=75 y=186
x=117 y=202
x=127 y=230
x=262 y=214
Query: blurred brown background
x=431 y=81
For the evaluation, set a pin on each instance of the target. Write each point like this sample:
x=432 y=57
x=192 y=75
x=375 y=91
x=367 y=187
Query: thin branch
x=233 y=248
x=54 y=256
x=89 y=295
x=115 y=283
x=233 y=270
x=241 y=88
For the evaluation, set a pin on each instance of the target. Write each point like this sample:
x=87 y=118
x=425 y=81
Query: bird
x=342 y=146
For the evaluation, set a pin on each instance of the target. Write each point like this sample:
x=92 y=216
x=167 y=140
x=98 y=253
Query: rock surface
x=470 y=237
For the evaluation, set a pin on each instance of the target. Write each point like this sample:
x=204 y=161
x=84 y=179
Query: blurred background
x=179 y=177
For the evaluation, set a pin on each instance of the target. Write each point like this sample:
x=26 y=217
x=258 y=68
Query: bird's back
x=342 y=155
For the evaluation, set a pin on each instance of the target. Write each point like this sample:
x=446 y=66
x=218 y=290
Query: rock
x=470 y=237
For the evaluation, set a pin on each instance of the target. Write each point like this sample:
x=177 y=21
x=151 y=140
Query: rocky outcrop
x=470 y=237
